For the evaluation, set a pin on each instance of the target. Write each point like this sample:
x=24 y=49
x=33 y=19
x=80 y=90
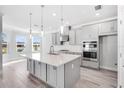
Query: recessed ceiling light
x=54 y=14
x=97 y=14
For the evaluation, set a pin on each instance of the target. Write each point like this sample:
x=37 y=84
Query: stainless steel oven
x=90 y=51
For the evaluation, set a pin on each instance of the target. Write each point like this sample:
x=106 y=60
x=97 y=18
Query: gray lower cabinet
x=61 y=76
x=72 y=72
x=30 y=66
x=52 y=75
x=55 y=76
x=43 y=72
x=40 y=70
x=37 y=69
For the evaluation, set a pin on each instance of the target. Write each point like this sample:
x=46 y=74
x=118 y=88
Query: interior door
x=108 y=52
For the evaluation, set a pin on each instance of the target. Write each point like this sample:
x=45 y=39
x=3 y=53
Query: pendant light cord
x=42 y=13
x=30 y=14
x=62 y=19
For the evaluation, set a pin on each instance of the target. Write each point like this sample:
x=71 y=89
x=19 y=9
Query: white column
x=0 y=45
x=28 y=49
x=46 y=43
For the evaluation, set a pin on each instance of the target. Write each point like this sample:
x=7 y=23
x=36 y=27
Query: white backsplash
x=73 y=48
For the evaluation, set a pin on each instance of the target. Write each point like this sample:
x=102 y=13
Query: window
x=4 y=47
x=20 y=43
x=4 y=43
x=36 y=43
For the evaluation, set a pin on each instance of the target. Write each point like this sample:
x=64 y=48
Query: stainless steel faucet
x=52 y=49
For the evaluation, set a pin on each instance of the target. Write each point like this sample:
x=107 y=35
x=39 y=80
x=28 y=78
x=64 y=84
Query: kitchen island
x=60 y=70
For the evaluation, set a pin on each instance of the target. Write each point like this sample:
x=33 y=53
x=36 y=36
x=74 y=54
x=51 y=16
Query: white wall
x=0 y=45
x=11 y=45
x=73 y=48
x=11 y=34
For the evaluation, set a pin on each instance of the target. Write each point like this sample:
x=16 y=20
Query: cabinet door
x=52 y=75
x=54 y=38
x=37 y=69
x=94 y=32
x=30 y=66
x=109 y=27
x=87 y=33
x=82 y=35
x=72 y=37
x=43 y=71
x=106 y=27
x=79 y=37
x=58 y=38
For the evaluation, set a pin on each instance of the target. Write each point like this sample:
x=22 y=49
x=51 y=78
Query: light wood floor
x=16 y=76
x=90 y=78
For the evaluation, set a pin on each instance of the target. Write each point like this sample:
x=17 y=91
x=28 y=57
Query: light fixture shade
x=62 y=29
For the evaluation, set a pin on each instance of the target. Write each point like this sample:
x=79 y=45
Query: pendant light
x=62 y=21
x=30 y=14
x=42 y=8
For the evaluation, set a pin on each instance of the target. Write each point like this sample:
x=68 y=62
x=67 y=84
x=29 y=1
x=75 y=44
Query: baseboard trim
x=107 y=68
x=14 y=61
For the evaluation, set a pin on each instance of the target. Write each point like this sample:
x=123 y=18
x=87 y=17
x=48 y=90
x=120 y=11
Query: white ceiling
x=18 y=15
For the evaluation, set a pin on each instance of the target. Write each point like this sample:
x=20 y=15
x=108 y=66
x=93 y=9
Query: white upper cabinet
x=56 y=38
x=94 y=32
x=72 y=37
x=108 y=27
x=87 y=33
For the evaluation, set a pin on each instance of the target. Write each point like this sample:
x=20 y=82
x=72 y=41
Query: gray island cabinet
x=61 y=71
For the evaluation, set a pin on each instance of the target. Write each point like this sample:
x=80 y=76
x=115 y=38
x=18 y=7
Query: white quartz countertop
x=55 y=60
